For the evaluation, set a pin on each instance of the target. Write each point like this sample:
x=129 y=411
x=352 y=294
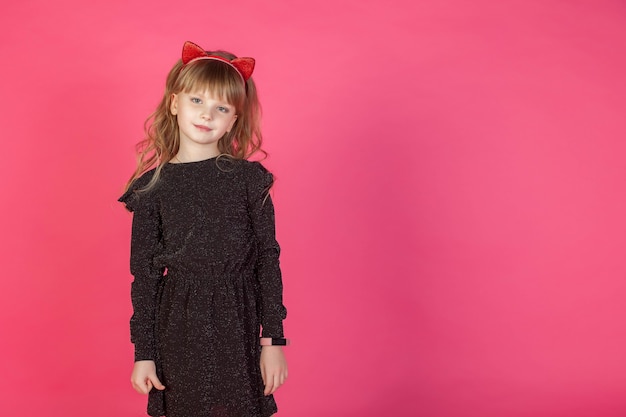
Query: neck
x=195 y=153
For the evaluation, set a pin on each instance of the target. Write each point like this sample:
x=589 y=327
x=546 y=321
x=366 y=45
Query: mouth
x=203 y=128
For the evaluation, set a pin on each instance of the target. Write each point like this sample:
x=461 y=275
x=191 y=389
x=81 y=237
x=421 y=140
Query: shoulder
x=134 y=195
x=254 y=168
x=143 y=180
x=250 y=171
x=257 y=179
x=257 y=174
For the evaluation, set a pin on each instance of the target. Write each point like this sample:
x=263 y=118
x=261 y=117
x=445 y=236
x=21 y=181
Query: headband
x=243 y=66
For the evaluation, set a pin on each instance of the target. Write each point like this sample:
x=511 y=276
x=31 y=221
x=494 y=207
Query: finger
x=136 y=385
x=276 y=383
x=263 y=374
x=148 y=386
x=139 y=386
x=156 y=383
x=269 y=385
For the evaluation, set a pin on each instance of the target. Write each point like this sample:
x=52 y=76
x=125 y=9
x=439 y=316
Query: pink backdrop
x=450 y=199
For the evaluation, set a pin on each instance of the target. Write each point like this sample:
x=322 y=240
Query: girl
x=203 y=252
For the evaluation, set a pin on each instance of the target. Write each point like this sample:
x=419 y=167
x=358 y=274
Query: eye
x=223 y=109
x=196 y=100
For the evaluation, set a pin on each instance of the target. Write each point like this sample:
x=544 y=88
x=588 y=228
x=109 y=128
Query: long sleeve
x=273 y=312
x=145 y=245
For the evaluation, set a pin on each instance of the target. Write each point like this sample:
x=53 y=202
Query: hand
x=273 y=368
x=144 y=377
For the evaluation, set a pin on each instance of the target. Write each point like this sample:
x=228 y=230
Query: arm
x=273 y=312
x=145 y=244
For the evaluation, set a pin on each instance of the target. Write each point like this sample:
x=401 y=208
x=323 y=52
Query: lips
x=203 y=128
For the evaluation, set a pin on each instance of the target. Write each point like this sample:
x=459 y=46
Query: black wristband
x=274 y=341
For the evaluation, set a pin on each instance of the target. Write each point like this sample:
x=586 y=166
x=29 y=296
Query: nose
x=206 y=114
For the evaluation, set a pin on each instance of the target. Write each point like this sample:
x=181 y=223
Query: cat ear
x=192 y=51
x=245 y=66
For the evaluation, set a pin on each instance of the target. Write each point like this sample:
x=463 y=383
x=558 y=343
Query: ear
x=232 y=123
x=174 y=105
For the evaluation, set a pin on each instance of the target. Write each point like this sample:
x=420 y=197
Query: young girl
x=203 y=252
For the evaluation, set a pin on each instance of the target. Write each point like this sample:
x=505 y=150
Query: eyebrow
x=205 y=95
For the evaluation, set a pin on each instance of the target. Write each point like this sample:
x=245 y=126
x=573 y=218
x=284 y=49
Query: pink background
x=450 y=199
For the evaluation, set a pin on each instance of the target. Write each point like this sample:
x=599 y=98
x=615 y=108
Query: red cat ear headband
x=244 y=66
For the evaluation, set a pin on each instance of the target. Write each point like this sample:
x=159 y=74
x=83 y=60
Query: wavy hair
x=162 y=139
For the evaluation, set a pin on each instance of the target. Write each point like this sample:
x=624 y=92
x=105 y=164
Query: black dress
x=206 y=280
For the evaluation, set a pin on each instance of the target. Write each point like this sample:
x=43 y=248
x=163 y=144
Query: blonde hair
x=162 y=139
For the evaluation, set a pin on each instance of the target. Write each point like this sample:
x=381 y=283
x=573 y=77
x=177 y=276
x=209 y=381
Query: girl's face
x=202 y=120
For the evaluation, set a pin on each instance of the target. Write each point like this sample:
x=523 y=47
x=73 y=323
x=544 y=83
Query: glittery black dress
x=206 y=280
